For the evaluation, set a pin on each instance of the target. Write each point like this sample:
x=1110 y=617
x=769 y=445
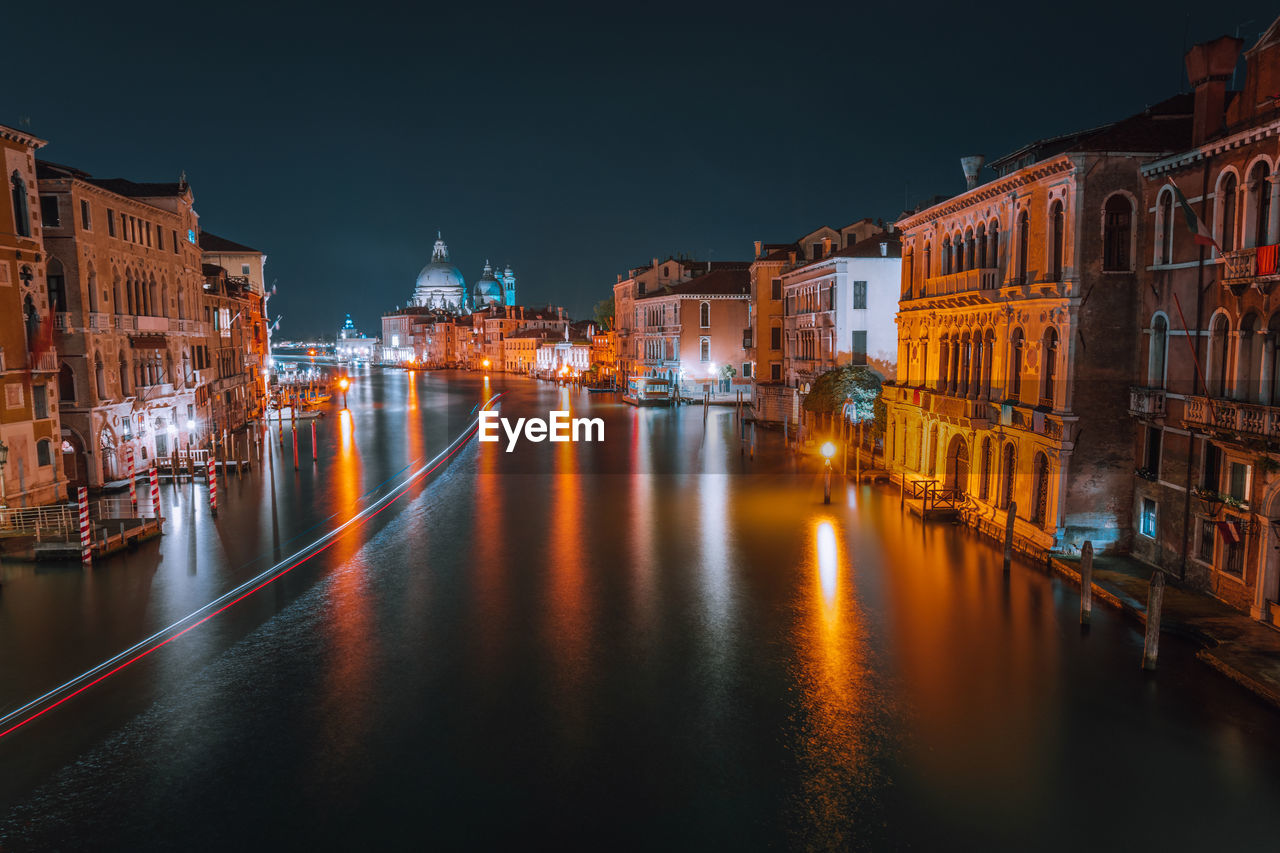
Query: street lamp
x=828 y=450
x=343 y=384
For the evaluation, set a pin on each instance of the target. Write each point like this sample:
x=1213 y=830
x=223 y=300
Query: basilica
x=441 y=286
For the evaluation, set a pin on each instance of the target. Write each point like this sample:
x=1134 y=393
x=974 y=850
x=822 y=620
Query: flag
x=1230 y=532
x=1203 y=236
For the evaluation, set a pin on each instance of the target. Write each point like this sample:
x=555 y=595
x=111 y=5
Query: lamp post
x=343 y=385
x=828 y=450
x=4 y=460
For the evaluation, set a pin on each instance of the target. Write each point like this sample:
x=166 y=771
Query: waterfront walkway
x=1244 y=650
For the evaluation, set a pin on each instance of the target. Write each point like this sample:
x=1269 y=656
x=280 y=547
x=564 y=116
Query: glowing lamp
x=485 y=363
x=344 y=383
x=828 y=449
x=191 y=425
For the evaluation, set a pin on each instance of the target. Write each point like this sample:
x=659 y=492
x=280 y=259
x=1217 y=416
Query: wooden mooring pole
x=1086 y=583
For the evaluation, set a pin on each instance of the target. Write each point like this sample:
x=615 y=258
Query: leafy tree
x=603 y=313
x=857 y=384
x=728 y=371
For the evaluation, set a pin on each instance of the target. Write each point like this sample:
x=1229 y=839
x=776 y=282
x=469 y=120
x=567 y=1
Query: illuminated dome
x=487 y=290
x=440 y=284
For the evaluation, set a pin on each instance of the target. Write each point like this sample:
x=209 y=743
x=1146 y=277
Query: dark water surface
x=649 y=642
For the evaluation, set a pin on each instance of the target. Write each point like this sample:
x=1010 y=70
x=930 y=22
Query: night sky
x=569 y=142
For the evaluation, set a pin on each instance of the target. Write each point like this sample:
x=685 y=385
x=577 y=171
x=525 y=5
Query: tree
x=603 y=313
x=856 y=384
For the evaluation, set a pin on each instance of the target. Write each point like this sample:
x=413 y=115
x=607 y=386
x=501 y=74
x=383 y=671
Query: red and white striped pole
x=86 y=551
x=213 y=486
x=133 y=487
x=155 y=492
x=314 y=452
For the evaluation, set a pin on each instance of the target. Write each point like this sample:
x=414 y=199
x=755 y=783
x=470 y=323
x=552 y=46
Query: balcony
x=968 y=282
x=126 y=323
x=45 y=362
x=1146 y=402
x=99 y=322
x=1232 y=417
x=62 y=321
x=151 y=324
x=1243 y=267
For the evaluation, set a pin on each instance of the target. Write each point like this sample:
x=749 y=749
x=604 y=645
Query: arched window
x=1226 y=202
x=31 y=319
x=1024 y=244
x=1116 y=234
x=1260 y=202
x=115 y=294
x=44 y=457
x=944 y=362
x=1040 y=505
x=1016 y=345
x=93 y=292
x=704 y=315
x=1007 y=462
x=1164 y=229
x=993 y=244
x=100 y=377
x=928 y=257
x=981 y=239
x=124 y=376
x=1248 y=362
x=984 y=477
x=1049 y=372
x=970 y=250
x=1158 y=353
x=66 y=384
x=1218 y=352
x=957 y=252
x=1059 y=221
x=56 y=286
x=21 y=207
x=946 y=255
x=704 y=349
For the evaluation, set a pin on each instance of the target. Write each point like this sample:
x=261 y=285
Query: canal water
x=653 y=641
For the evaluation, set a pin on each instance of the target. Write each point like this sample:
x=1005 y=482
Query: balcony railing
x=1146 y=402
x=1232 y=416
x=1242 y=266
x=969 y=281
x=62 y=321
x=100 y=322
x=45 y=362
x=126 y=323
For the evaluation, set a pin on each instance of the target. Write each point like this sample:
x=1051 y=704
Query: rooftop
x=210 y=242
x=727 y=281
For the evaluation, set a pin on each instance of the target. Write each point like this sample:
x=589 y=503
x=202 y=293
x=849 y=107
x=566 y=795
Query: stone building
x=236 y=344
x=131 y=337
x=33 y=469
x=1206 y=400
x=693 y=333
x=1015 y=332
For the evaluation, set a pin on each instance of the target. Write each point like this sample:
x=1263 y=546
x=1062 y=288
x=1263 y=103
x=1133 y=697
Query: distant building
x=353 y=345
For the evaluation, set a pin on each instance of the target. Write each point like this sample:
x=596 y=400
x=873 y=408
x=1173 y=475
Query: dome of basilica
x=440 y=284
x=487 y=290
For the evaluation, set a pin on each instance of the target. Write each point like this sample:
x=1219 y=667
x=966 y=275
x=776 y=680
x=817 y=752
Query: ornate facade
x=1015 y=335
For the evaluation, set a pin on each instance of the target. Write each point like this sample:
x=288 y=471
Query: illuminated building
x=32 y=299
x=1206 y=405
x=1015 y=334
x=132 y=333
x=236 y=343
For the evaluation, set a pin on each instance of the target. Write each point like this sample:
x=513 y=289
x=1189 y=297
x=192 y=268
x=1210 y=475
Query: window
x=1015 y=366
x=815 y=251
x=1059 y=233
x=1208 y=530
x=39 y=402
x=746 y=370
x=111 y=222
x=1024 y=245
x=1238 y=487
x=984 y=481
x=775 y=337
x=44 y=458
x=1151 y=459
x=1040 y=506
x=704 y=349
x=1158 y=354
x=1234 y=562
x=775 y=371
x=175 y=241
x=21 y=208
x=56 y=286
x=859 y=295
x=49 y=211
x=85 y=222
x=1260 y=190
x=1147 y=518
x=859 y=347
x=244 y=269
x=191 y=236
x=1117 y=224
x=1008 y=460
x=1227 y=193
x=1164 y=229
x=1050 y=371
x=1210 y=467
x=775 y=289
x=704 y=315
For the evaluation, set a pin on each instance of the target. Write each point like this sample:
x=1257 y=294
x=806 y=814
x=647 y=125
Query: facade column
x=1273 y=215
x=954 y=373
x=975 y=371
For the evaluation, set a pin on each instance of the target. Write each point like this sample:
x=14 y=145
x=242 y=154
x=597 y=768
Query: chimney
x=791 y=258
x=1209 y=67
x=759 y=246
x=826 y=246
x=972 y=166
x=619 y=278
x=655 y=263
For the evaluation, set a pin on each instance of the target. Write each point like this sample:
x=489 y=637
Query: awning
x=148 y=342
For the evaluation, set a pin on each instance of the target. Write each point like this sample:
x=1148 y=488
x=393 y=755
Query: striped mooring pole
x=133 y=487
x=86 y=551
x=213 y=486
x=155 y=492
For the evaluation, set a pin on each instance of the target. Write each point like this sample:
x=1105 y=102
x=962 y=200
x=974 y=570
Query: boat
x=601 y=389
